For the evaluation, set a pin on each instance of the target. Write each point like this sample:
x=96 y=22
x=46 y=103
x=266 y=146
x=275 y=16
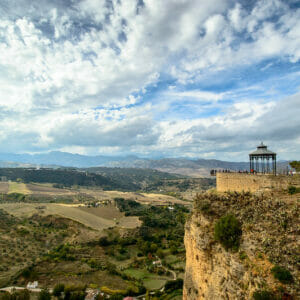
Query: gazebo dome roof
x=262 y=150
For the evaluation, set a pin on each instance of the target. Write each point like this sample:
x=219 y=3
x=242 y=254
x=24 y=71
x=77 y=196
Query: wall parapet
x=253 y=182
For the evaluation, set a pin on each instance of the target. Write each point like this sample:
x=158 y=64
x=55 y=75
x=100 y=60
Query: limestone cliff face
x=270 y=236
x=212 y=272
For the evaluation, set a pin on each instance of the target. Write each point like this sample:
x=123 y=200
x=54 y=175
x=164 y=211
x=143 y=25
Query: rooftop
x=262 y=150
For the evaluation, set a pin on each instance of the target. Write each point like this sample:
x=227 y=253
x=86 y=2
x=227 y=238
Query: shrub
x=58 y=290
x=174 y=285
x=116 y=297
x=228 y=231
x=243 y=255
x=263 y=295
x=44 y=295
x=111 y=268
x=292 y=190
x=282 y=274
x=103 y=241
x=111 y=292
x=16 y=295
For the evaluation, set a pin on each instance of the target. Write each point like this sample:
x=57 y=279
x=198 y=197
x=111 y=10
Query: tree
x=44 y=295
x=23 y=295
x=296 y=165
x=58 y=290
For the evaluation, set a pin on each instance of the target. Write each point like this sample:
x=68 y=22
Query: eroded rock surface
x=270 y=237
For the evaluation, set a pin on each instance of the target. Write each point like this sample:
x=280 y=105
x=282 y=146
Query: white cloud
x=79 y=75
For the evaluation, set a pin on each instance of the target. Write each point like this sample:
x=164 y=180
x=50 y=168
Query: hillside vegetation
x=107 y=178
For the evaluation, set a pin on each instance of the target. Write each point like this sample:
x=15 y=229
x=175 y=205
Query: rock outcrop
x=270 y=237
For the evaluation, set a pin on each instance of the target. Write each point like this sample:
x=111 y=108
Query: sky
x=153 y=78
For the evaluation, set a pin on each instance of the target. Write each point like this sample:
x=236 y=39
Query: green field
x=151 y=281
x=18 y=187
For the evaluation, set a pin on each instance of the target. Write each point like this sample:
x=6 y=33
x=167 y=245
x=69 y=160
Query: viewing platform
x=261 y=176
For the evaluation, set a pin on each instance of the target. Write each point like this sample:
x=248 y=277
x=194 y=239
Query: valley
x=123 y=242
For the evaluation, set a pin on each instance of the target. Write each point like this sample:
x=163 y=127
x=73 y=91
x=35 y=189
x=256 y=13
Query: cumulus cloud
x=94 y=74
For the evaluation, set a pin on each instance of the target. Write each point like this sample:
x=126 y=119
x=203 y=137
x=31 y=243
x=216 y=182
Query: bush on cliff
x=282 y=274
x=292 y=190
x=228 y=231
x=263 y=295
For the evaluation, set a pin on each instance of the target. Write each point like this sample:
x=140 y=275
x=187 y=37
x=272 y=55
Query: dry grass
x=45 y=188
x=109 y=212
x=18 y=187
x=129 y=222
x=145 y=198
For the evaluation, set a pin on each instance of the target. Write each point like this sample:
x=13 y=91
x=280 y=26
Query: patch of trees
x=173 y=285
x=62 y=252
x=60 y=291
x=144 y=178
x=162 y=228
x=64 y=177
x=16 y=295
x=153 y=216
x=6 y=220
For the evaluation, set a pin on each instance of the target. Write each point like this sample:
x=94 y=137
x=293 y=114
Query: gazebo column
x=275 y=164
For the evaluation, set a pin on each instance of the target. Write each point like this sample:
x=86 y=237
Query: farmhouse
x=32 y=285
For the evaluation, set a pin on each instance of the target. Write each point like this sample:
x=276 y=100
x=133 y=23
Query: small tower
x=260 y=160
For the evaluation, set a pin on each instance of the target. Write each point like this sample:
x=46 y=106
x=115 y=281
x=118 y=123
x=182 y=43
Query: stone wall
x=249 y=182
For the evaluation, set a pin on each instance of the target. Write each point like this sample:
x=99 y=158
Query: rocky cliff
x=270 y=238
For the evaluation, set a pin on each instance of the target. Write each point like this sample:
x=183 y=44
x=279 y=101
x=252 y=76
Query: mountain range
x=184 y=166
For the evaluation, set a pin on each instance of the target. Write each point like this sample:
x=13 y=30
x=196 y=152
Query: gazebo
x=260 y=160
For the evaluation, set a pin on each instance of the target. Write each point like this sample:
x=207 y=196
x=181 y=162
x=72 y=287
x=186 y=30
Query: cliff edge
x=263 y=266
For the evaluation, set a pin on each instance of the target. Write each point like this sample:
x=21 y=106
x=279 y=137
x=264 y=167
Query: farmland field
x=44 y=188
x=84 y=194
x=4 y=187
x=146 y=198
x=107 y=212
x=18 y=187
x=72 y=212
x=151 y=281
